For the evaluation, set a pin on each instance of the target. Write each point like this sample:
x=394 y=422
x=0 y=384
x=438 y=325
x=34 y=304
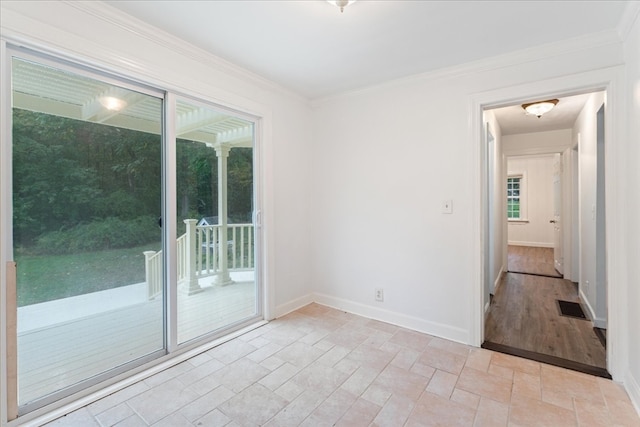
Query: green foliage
x=240 y=192
x=108 y=233
x=72 y=179
x=198 y=182
x=83 y=186
x=50 y=190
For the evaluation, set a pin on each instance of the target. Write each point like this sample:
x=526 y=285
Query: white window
x=516 y=191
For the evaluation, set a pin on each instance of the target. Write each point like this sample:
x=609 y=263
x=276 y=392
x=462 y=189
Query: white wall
x=586 y=127
x=535 y=229
x=632 y=197
x=384 y=160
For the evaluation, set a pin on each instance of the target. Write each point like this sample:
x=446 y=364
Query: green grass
x=51 y=277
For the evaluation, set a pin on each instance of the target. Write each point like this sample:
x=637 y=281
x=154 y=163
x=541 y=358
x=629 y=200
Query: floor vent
x=571 y=309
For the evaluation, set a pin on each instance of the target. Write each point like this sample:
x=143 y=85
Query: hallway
x=524 y=315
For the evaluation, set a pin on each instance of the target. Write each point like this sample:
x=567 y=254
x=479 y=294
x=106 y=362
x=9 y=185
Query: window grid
x=513 y=197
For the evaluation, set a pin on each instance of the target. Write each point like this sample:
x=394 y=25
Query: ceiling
x=513 y=119
x=314 y=50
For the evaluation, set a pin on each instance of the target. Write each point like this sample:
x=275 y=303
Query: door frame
x=609 y=80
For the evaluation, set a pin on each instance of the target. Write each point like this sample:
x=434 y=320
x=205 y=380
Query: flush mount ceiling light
x=341 y=3
x=540 y=107
x=112 y=103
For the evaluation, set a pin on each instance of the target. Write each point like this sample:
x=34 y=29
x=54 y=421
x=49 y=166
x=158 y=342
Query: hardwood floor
x=524 y=314
x=530 y=260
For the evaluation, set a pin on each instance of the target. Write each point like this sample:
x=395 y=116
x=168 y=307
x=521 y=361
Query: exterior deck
x=65 y=341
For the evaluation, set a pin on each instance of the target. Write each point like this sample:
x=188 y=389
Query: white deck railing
x=199 y=254
x=153 y=273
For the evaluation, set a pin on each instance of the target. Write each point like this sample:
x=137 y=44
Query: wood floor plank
x=529 y=260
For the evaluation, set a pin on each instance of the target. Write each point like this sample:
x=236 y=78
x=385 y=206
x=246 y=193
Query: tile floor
x=322 y=367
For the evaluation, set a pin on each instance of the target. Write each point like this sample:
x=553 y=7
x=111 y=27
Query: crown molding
x=519 y=57
x=160 y=37
x=629 y=17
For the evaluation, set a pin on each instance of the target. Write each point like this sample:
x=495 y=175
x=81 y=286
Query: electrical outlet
x=447 y=206
x=379 y=294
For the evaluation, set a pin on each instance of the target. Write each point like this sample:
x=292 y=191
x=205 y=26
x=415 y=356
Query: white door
x=558 y=257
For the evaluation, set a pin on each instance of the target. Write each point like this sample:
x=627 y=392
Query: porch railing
x=199 y=252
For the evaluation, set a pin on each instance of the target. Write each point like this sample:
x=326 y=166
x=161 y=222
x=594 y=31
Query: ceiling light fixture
x=341 y=3
x=540 y=107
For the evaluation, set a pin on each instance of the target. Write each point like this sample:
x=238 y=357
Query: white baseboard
x=597 y=322
x=290 y=306
x=585 y=301
x=532 y=244
x=600 y=323
x=632 y=386
x=410 y=322
x=498 y=280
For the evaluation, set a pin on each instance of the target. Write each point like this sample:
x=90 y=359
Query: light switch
x=447 y=206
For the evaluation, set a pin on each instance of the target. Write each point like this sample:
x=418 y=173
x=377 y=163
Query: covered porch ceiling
x=56 y=92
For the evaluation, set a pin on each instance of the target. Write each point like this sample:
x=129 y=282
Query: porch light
x=540 y=107
x=341 y=3
x=112 y=103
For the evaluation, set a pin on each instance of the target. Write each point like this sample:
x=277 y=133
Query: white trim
x=532 y=244
x=265 y=207
x=600 y=323
x=632 y=386
x=597 y=322
x=512 y=59
x=399 y=319
x=535 y=151
x=610 y=79
x=615 y=177
x=293 y=305
x=6 y=243
x=170 y=210
x=498 y=281
x=631 y=13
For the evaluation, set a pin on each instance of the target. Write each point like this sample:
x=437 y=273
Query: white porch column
x=223 y=278
x=190 y=258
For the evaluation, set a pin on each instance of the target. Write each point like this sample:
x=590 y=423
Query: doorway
x=527 y=315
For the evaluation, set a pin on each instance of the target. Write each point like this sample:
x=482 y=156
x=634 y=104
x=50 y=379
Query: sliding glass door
x=111 y=275
x=87 y=167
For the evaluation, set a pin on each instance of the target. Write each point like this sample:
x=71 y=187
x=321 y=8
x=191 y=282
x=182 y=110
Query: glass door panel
x=87 y=168
x=215 y=250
